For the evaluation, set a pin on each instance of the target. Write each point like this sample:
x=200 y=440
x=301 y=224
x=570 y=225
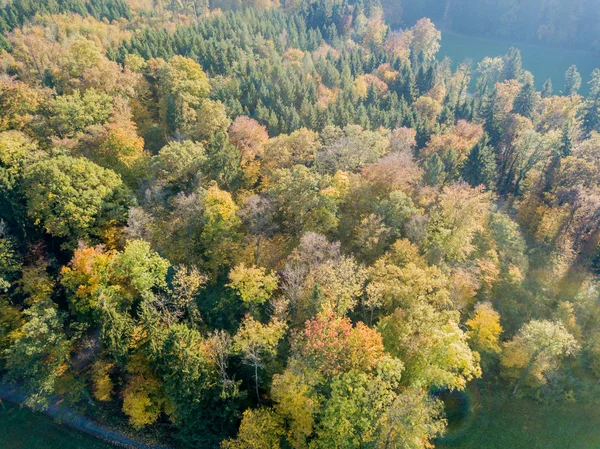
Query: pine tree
x=513 y=64
x=480 y=168
x=492 y=125
x=591 y=115
x=566 y=146
x=572 y=81
x=547 y=89
x=434 y=170
x=525 y=101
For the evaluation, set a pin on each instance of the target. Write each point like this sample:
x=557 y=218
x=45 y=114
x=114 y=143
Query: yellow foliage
x=103 y=386
x=143 y=398
x=485 y=329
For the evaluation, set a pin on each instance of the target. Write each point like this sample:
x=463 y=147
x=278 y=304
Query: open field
x=23 y=429
x=501 y=422
x=543 y=62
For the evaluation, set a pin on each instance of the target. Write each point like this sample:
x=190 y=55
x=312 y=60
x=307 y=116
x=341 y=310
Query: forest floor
x=27 y=434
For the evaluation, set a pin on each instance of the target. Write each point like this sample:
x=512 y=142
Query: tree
x=257 y=343
x=350 y=417
x=524 y=103
x=179 y=164
x=11 y=260
x=119 y=148
x=95 y=278
x=485 y=329
x=547 y=89
x=17 y=152
x=73 y=199
x=252 y=284
x=138 y=271
x=84 y=279
x=513 y=64
x=69 y=115
x=591 y=116
x=202 y=406
x=182 y=86
x=411 y=421
x=426 y=40
x=259 y=429
x=248 y=136
x=211 y=118
x=40 y=356
x=572 y=81
x=480 y=167
x=536 y=350
x=330 y=345
x=460 y=212
x=304 y=200
x=431 y=346
x=143 y=396
x=220 y=231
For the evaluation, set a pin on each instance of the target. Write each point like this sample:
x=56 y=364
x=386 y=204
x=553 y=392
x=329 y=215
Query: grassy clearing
x=502 y=422
x=23 y=429
x=543 y=62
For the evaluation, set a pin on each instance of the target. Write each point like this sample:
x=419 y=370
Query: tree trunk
x=527 y=370
x=256 y=381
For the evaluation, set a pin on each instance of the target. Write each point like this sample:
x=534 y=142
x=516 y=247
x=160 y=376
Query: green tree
x=40 y=356
x=73 y=199
x=572 y=81
x=480 y=167
x=513 y=64
x=182 y=86
x=535 y=350
x=547 y=89
x=257 y=343
x=524 y=103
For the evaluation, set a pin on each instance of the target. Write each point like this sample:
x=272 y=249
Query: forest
x=264 y=225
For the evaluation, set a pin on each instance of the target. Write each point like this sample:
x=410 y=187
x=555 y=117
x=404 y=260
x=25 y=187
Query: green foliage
x=288 y=215
x=40 y=356
x=72 y=198
x=480 y=168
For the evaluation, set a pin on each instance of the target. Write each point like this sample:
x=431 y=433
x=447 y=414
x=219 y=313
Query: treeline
x=565 y=23
x=16 y=12
x=272 y=226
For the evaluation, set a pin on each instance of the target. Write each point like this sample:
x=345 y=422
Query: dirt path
x=61 y=412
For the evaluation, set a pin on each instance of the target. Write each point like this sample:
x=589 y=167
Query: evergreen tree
x=434 y=170
x=547 y=89
x=525 y=101
x=567 y=140
x=480 y=168
x=492 y=126
x=572 y=81
x=513 y=64
x=591 y=115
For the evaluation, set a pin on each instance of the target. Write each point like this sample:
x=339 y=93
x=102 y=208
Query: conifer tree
x=480 y=168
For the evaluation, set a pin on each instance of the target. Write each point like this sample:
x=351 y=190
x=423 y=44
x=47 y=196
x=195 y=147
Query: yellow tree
x=485 y=329
x=253 y=284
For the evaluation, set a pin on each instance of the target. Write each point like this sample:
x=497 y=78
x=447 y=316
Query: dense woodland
x=260 y=225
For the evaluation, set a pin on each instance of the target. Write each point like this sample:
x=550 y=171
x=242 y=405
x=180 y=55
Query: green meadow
x=543 y=62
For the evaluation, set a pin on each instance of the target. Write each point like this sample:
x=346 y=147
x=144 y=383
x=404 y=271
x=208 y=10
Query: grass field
x=23 y=429
x=494 y=422
x=543 y=62
x=501 y=422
